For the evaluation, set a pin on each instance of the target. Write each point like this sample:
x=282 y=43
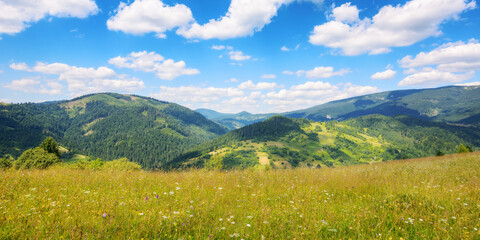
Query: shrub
x=6 y=162
x=36 y=158
x=463 y=149
x=50 y=146
x=88 y=164
x=122 y=164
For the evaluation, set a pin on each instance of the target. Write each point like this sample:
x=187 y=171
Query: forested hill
x=453 y=104
x=283 y=142
x=108 y=126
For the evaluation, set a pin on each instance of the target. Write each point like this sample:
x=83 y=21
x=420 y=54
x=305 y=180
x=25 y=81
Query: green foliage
x=240 y=159
x=214 y=163
x=463 y=149
x=36 y=158
x=50 y=146
x=366 y=139
x=121 y=164
x=109 y=126
x=6 y=162
x=83 y=164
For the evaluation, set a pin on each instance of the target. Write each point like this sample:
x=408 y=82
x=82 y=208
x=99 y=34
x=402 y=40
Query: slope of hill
x=233 y=121
x=284 y=142
x=446 y=104
x=108 y=126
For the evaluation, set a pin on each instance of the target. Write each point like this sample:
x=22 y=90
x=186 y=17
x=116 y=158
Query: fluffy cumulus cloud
x=149 y=16
x=262 y=96
x=320 y=72
x=249 y=85
x=454 y=57
x=166 y=69
x=244 y=17
x=313 y=93
x=450 y=63
x=17 y=15
x=238 y=56
x=79 y=80
x=388 y=74
x=433 y=77
x=35 y=86
x=392 y=26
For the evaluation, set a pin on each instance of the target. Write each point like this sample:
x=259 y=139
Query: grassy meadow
x=433 y=198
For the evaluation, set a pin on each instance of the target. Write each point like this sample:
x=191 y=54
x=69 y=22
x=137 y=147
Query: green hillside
x=284 y=142
x=108 y=126
x=447 y=104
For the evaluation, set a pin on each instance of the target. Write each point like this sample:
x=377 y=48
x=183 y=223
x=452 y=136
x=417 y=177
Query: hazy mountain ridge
x=233 y=121
x=453 y=104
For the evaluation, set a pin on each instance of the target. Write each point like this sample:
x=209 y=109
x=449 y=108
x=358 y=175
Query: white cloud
x=388 y=74
x=257 y=98
x=218 y=47
x=452 y=57
x=233 y=80
x=345 y=13
x=446 y=64
x=79 y=80
x=288 y=72
x=238 y=56
x=431 y=77
x=313 y=93
x=35 y=86
x=19 y=66
x=244 y=17
x=149 y=16
x=192 y=94
x=285 y=49
x=468 y=84
x=392 y=26
x=322 y=72
x=17 y=15
x=268 y=76
x=249 y=85
x=153 y=62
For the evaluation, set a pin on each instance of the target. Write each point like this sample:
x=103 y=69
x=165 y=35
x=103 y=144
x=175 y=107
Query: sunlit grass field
x=429 y=198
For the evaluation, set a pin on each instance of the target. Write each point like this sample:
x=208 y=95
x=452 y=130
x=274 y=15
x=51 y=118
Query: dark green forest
x=108 y=126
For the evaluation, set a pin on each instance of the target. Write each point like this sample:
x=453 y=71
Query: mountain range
x=158 y=134
x=452 y=104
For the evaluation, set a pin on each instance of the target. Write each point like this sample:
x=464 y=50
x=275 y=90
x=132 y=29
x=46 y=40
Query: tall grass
x=413 y=199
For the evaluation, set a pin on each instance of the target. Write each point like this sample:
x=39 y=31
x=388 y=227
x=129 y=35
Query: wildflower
x=141 y=214
x=146 y=198
x=249 y=216
x=248 y=225
x=156 y=196
x=104 y=215
x=220 y=219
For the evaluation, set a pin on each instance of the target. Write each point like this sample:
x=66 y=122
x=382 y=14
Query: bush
x=50 y=146
x=36 y=158
x=463 y=149
x=6 y=162
x=122 y=164
x=88 y=164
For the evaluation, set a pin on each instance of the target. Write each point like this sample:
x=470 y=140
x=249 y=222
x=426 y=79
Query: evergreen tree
x=50 y=146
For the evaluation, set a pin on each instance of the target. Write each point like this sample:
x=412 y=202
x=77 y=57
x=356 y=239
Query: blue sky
x=231 y=56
